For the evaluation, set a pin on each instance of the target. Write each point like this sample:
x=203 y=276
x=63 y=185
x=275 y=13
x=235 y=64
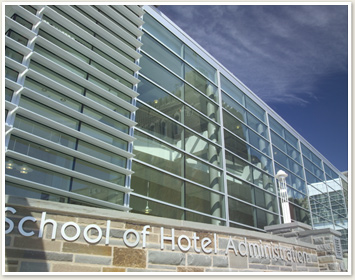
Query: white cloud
x=280 y=52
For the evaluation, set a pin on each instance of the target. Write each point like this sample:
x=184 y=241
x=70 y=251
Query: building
x=115 y=107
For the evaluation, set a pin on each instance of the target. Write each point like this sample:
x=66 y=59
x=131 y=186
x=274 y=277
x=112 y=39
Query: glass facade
x=113 y=107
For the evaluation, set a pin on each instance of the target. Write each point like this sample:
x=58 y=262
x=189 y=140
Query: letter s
x=7 y=220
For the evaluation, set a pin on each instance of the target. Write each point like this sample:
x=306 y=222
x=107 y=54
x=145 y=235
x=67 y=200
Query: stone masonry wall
x=33 y=254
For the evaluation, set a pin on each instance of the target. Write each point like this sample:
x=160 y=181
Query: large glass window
x=200 y=64
x=18 y=190
x=8 y=94
x=36 y=174
x=155 y=184
x=255 y=108
x=156 y=73
x=44 y=131
x=203 y=174
x=159 y=126
x=157 y=154
x=13 y=54
x=52 y=94
x=11 y=74
x=98 y=192
x=40 y=152
x=47 y=112
x=201 y=83
x=161 y=54
x=232 y=90
x=99 y=172
x=162 y=34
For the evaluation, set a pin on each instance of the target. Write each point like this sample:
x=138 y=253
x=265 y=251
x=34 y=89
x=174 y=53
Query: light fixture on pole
x=281 y=178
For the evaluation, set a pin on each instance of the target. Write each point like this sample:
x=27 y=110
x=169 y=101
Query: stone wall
x=116 y=250
x=329 y=255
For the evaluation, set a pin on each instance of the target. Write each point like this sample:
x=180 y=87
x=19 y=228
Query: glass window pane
x=52 y=94
x=261 y=161
x=201 y=125
x=103 y=136
x=109 y=88
x=102 y=154
x=236 y=145
x=201 y=83
x=159 y=99
x=13 y=54
x=108 y=104
x=274 y=125
x=22 y=191
x=203 y=200
x=238 y=167
x=162 y=34
x=164 y=56
x=257 y=125
x=98 y=192
x=40 y=152
x=111 y=74
x=44 y=131
x=105 y=119
x=22 y=21
x=266 y=200
x=232 y=90
x=202 y=148
x=156 y=73
x=99 y=172
x=8 y=94
x=47 y=112
x=155 y=184
x=55 y=77
x=240 y=189
x=255 y=109
x=11 y=74
x=37 y=174
x=201 y=103
x=17 y=37
x=233 y=107
x=241 y=212
x=200 y=64
x=157 y=154
x=58 y=60
x=159 y=126
x=235 y=125
x=291 y=139
x=265 y=219
x=203 y=174
x=62 y=45
x=143 y=206
x=258 y=142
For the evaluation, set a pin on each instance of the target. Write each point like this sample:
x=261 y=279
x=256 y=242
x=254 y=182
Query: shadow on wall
x=24 y=250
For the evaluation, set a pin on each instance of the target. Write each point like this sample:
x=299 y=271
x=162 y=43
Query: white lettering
x=7 y=220
x=108 y=225
x=162 y=238
x=230 y=245
x=65 y=236
x=195 y=238
x=129 y=243
x=182 y=248
x=45 y=222
x=243 y=243
x=20 y=225
x=204 y=243
x=99 y=235
x=144 y=234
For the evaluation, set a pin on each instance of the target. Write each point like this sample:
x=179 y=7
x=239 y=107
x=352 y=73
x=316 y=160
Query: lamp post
x=281 y=178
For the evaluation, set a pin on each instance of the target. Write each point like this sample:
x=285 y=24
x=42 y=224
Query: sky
x=294 y=57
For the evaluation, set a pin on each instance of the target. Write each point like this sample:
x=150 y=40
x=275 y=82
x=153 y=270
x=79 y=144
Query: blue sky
x=294 y=57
